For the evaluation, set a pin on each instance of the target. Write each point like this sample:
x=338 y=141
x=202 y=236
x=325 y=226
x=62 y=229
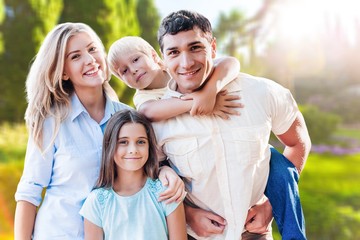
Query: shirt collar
x=78 y=108
x=172 y=86
x=109 y=110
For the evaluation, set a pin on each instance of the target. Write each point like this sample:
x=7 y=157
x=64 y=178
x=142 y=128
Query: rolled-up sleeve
x=37 y=168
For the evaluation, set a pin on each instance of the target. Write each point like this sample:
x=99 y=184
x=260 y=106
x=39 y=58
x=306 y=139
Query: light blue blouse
x=68 y=171
x=139 y=216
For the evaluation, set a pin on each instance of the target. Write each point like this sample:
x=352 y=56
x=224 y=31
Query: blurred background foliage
x=320 y=68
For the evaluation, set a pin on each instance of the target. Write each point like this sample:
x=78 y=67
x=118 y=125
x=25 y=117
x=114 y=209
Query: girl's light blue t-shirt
x=139 y=216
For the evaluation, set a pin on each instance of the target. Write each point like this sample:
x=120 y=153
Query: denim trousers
x=283 y=193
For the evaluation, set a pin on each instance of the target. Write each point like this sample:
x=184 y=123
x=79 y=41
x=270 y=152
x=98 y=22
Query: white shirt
x=68 y=171
x=144 y=95
x=226 y=162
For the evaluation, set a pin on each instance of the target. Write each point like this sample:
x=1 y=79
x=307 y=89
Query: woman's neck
x=94 y=102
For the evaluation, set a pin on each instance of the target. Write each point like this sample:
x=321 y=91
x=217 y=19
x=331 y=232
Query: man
x=225 y=163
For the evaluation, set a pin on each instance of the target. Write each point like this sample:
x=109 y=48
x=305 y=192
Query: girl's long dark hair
x=108 y=170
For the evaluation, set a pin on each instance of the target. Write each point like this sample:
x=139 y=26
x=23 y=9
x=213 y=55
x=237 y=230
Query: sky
x=295 y=18
x=209 y=8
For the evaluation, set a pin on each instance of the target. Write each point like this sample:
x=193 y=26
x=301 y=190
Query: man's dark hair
x=183 y=20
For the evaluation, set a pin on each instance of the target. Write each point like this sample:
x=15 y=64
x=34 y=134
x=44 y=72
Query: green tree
x=111 y=20
x=24 y=27
x=231 y=32
x=149 y=20
x=240 y=35
x=2 y=17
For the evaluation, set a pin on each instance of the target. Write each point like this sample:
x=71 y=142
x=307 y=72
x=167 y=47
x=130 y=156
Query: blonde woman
x=69 y=104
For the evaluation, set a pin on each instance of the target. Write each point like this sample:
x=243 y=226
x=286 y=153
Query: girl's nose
x=132 y=149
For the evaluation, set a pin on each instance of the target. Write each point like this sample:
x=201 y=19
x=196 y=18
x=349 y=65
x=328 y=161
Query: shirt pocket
x=248 y=144
x=184 y=154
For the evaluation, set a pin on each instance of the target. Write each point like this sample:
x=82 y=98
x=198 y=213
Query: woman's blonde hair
x=126 y=45
x=47 y=93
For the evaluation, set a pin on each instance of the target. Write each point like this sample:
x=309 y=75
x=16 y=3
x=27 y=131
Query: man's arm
x=297 y=142
x=297 y=147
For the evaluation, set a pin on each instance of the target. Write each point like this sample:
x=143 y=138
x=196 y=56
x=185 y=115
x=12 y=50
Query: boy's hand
x=203 y=104
x=226 y=104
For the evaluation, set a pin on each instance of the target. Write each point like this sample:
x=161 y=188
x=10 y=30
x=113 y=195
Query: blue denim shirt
x=68 y=170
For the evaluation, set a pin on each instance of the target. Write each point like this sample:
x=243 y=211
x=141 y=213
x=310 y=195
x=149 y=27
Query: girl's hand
x=226 y=104
x=176 y=188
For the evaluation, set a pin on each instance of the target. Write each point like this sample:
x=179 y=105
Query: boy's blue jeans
x=283 y=193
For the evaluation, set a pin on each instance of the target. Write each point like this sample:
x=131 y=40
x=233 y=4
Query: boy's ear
x=155 y=56
x=158 y=60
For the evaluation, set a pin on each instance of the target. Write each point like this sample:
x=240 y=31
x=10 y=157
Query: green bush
x=321 y=125
x=13 y=141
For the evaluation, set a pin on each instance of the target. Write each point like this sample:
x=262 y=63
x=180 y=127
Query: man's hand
x=176 y=187
x=204 y=223
x=259 y=217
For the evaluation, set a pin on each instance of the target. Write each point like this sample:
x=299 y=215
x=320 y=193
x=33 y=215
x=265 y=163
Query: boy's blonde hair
x=126 y=45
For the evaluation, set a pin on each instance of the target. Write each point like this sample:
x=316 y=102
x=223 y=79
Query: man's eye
x=172 y=53
x=194 y=48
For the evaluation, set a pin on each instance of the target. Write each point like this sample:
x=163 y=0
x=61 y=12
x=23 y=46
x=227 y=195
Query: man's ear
x=213 y=48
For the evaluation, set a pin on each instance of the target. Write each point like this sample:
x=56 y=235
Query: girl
x=69 y=104
x=124 y=204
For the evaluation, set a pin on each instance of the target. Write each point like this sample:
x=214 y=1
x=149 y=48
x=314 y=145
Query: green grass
x=330 y=193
